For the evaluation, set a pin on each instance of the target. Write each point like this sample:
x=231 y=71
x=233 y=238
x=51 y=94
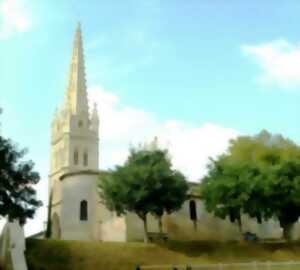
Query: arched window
x=54 y=159
x=83 y=210
x=193 y=210
x=76 y=156
x=62 y=157
x=57 y=159
x=85 y=158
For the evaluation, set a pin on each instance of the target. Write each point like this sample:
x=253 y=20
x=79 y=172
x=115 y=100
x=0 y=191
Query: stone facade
x=76 y=209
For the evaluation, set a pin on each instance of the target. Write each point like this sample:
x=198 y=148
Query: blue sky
x=196 y=73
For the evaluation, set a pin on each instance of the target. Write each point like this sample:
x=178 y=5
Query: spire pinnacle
x=95 y=118
x=76 y=95
x=95 y=110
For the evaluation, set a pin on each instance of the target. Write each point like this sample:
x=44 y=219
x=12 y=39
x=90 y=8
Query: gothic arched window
x=58 y=160
x=55 y=160
x=76 y=157
x=193 y=210
x=85 y=158
x=62 y=157
x=83 y=210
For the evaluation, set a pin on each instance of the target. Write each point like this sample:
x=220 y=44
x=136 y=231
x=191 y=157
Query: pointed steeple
x=76 y=94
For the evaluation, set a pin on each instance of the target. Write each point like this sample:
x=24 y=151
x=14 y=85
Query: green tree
x=282 y=194
x=145 y=184
x=258 y=176
x=226 y=190
x=17 y=178
x=171 y=195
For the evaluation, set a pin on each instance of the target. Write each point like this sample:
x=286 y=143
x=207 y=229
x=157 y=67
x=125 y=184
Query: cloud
x=190 y=145
x=279 y=61
x=14 y=17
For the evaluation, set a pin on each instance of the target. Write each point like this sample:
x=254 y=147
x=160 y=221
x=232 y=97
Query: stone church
x=76 y=211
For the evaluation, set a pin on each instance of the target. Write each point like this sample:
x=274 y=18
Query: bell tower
x=74 y=140
x=74 y=133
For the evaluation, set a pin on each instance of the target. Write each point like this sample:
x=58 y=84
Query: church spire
x=76 y=94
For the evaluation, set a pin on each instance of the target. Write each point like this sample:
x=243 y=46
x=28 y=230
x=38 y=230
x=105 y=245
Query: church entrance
x=55 y=227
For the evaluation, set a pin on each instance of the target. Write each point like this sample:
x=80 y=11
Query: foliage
x=282 y=193
x=258 y=176
x=226 y=188
x=17 y=177
x=145 y=184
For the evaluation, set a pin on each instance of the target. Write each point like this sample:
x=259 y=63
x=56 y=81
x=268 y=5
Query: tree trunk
x=48 y=229
x=160 y=224
x=195 y=224
x=287 y=231
x=146 y=240
x=240 y=227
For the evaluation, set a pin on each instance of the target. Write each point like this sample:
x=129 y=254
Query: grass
x=80 y=255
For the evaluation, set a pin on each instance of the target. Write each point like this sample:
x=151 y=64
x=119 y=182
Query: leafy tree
x=226 y=190
x=17 y=195
x=283 y=194
x=145 y=184
x=170 y=196
x=258 y=176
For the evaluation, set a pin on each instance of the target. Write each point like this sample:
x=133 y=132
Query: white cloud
x=190 y=145
x=14 y=17
x=279 y=61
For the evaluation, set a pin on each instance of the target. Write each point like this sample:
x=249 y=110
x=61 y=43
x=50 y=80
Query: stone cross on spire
x=76 y=95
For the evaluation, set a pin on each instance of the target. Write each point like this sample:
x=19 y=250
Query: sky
x=193 y=73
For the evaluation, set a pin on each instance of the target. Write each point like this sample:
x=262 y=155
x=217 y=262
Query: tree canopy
x=17 y=195
x=145 y=184
x=258 y=176
x=17 y=178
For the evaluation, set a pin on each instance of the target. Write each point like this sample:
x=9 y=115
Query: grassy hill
x=79 y=255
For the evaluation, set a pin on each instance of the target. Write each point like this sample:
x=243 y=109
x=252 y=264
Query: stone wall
x=135 y=227
x=180 y=226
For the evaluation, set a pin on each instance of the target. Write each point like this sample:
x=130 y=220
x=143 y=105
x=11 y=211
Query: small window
x=193 y=210
x=85 y=159
x=76 y=156
x=61 y=156
x=83 y=210
x=80 y=123
x=55 y=160
x=58 y=159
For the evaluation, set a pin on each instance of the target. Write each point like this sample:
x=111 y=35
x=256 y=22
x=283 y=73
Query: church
x=76 y=211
